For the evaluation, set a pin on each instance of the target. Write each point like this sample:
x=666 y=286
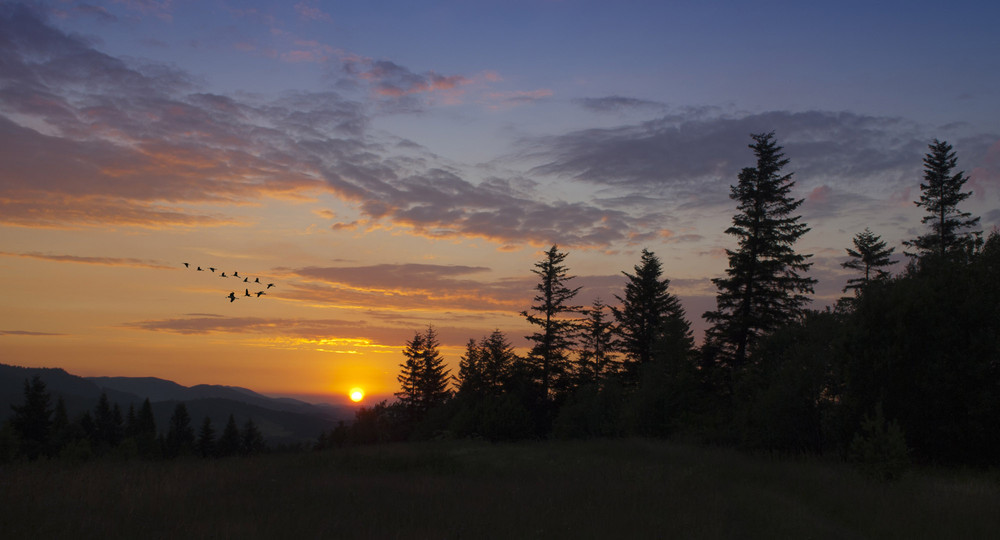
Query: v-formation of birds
x=246 y=279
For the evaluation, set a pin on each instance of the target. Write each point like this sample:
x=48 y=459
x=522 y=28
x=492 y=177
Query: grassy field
x=596 y=489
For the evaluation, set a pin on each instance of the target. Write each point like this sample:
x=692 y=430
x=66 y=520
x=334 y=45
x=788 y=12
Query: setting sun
x=357 y=394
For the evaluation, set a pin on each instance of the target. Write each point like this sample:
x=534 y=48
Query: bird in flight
x=247 y=292
x=269 y=285
x=212 y=269
x=200 y=270
x=186 y=265
x=223 y=275
x=236 y=274
x=232 y=297
x=259 y=293
x=246 y=280
x=256 y=280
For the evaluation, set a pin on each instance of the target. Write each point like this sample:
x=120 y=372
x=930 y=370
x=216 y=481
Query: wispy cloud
x=140 y=145
x=28 y=333
x=308 y=10
x=105 y=261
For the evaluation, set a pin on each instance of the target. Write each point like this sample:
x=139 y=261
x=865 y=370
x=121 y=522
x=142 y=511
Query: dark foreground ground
x=596 y=489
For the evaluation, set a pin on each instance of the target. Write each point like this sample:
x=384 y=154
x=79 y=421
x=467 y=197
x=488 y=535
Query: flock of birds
x=246 y=279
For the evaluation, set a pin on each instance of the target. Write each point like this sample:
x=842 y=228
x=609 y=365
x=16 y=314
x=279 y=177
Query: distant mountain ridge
x=281 y=420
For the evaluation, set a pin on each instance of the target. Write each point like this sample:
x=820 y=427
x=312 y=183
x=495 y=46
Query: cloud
x=28 y=333
x=617 y=104
x=106 y=261
x=407 y=286
x=500 y=100
x=87 y=139
x=392 y=80
x=311 y=12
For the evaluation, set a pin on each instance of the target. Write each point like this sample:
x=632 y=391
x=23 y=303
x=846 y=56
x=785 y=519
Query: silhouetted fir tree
x=423 y=376
x=941 y=192
x=108 y=428
x=597 y=358
x=409 y=372
x=60 y=429
x=32 y=421
x=230 y=441
x=764 y=287
x=470 y=379
x=144 y=431
x=870 y=256
x=487 y=364
x=549 y=356
x=252 y=441
x=205 y=444
x=180 y=435
x=651 y=321
x=130 y=422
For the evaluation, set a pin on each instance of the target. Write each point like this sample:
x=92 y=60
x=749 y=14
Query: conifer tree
x=180 y=435
x=470 y=379
x=870 y=255
x=252 y=439
x=32 y=421
x=941 y=192
x=486 y=365
x=597 y=358
x=549 y=356
x=145 y=430
x=107 y=424
x=764 y=287
x=230 y=441
x=206 y=439
x=651 y=321
x=423 y=376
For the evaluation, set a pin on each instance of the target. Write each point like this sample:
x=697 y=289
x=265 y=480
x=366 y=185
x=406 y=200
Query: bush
x=879 y=448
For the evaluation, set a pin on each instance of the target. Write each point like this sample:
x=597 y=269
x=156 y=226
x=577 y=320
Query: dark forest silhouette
x=905 y=368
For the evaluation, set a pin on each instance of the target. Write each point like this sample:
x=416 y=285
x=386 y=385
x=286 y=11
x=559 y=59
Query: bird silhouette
x=212 y=269
x=200 y=270
x=269 y=285
x=223 y=274
x=236 y=274
x=186 y=265
x=246 y=292
x=259 y=293
x=256 y=280
x=246 y=280
x=232 y=297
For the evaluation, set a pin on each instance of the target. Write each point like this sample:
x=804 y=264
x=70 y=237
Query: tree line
x=39 y=429
x=904 y=367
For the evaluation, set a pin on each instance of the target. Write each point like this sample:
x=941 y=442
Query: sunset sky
x=389 y=165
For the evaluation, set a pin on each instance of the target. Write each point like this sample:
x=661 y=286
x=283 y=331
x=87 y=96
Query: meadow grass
x=461 y=489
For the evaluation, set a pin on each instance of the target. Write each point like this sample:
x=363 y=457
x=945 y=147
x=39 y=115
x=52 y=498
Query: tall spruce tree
x=764 y=287
x=549 y=356
x=486 y=366
x=206 y=439
x=869 y=256
x=597 y=358
x=651 y=321
x=33 y=420
x=952 y=231
x=423 y=377
x=180 y=434
x=229 y=443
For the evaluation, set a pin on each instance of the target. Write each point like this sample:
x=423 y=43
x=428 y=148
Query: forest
x=904 y=369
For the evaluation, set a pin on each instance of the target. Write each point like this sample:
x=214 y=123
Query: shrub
x=879 y=448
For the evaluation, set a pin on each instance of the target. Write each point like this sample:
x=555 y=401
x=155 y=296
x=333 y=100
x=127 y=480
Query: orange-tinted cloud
x=106 y=261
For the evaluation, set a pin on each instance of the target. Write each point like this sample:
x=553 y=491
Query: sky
x=394 y=165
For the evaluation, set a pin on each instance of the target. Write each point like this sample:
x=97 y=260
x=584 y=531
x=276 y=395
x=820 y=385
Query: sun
x=357 y=394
